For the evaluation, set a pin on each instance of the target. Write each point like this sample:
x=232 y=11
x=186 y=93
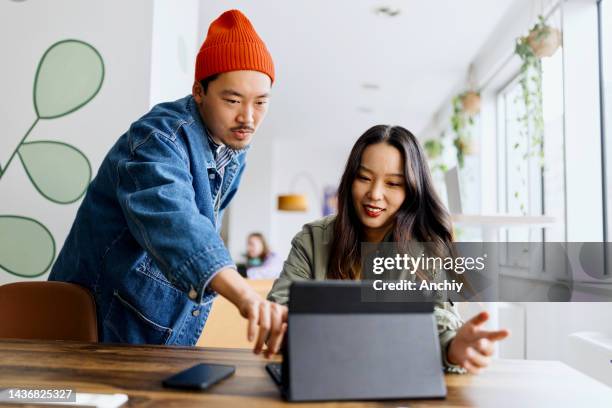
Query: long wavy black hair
x=421 y=217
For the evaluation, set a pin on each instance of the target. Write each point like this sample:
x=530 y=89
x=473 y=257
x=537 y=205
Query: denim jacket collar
x=199 y=125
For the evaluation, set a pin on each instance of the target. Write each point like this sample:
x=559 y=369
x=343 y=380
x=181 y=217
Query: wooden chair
x=47 y=311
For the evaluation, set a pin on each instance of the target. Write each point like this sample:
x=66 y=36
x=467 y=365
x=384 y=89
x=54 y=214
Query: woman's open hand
x=472 y=347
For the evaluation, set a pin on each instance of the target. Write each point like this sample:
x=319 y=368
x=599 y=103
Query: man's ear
x=197 y=91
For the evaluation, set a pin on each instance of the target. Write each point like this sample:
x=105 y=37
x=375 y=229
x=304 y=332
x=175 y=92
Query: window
x=469 y=177
x=605 y=51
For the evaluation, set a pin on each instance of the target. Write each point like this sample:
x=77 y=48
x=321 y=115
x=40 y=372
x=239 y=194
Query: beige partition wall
x=225 y=327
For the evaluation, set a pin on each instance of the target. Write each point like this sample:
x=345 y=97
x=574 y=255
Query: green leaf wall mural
x=69 y=75
x=27 y=247
x=59 y=171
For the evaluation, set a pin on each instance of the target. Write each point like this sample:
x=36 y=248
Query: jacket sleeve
x=448 y=322
x=298 y=266
x=154 y=190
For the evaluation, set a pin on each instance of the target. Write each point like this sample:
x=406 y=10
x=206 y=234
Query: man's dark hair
x=204 y=82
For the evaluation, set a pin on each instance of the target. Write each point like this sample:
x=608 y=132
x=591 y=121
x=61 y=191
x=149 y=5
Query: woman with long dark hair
x=386 y=194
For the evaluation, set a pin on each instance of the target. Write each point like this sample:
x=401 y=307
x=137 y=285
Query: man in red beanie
x=145 y=240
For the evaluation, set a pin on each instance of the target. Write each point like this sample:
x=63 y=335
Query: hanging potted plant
x=465 y=106
x=541 y=41
x=434 y=149
x=470 y=102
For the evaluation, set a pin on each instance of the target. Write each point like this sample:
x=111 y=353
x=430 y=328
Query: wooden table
x=139 y=370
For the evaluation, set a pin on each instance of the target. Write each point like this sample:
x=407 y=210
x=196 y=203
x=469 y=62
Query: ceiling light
x=370 y=86
x=387 y=11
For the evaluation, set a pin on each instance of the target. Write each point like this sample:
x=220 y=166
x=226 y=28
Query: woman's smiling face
x=379 y=189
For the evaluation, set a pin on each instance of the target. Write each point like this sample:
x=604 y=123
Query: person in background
x=261 y=262
x=386 y=195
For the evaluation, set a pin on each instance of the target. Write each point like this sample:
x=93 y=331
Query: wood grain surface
x=139 y=370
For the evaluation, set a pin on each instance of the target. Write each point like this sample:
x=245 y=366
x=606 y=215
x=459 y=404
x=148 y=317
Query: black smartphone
x=199 y=377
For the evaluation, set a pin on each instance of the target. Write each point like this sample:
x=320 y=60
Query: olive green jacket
x=308 y=260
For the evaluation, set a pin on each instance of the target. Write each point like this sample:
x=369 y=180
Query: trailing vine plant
x=541 y=41
x=462 y=122
x=532 y=120
x=434 y=149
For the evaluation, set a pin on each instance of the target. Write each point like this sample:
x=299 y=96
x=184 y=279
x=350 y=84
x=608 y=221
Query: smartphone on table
x=199 y=377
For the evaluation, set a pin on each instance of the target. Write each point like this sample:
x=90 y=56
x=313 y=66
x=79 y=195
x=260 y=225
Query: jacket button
x=195 y=313
x=193 y=294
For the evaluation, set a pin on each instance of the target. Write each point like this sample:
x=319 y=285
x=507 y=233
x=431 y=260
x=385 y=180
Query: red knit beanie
x=232 y=45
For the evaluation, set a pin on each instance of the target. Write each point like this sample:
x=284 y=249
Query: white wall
x=549 y=325
x=252 y=207
x=325 y=166
x=176 y=44
x=121 y=32
x=272 y=167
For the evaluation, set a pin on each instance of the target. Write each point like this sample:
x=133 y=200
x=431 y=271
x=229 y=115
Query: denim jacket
x=145 y=240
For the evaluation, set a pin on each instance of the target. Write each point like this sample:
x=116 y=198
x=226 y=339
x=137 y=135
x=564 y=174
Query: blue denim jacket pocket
x=149 y=268
x=124 y=323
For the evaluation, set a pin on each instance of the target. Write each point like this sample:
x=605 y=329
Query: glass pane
x=606 y=56
x=553 y=203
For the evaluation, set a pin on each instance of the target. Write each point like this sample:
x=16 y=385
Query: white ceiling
x=324 y=51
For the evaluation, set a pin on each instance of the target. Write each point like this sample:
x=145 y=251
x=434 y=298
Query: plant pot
x=467 y=146
x=544 y=45
x=470 y=101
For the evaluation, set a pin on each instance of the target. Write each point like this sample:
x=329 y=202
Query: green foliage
x=433 y=148
x=530 y=79
x=439 y=167
x=461 y=124
x=532 y=120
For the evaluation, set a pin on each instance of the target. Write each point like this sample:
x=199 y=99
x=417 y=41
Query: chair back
x=47 y=311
